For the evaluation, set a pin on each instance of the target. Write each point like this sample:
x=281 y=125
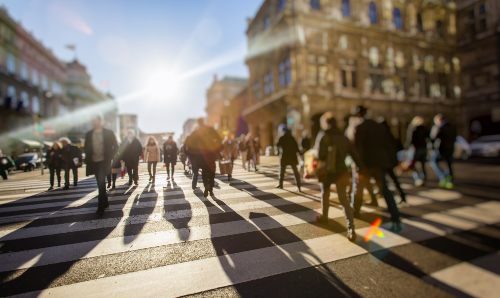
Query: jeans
x=152 y=164
x=170 y=168
x=436 y=157
x=341 y=184
x=379 y=175
x=132 y=171
x=66 y=175
x=55 y=172
x=100 y=177
x=295 y=173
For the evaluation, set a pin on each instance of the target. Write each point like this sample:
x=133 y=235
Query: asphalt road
x=250 y=239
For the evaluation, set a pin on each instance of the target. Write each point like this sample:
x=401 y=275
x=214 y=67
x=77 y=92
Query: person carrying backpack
x=333 y=148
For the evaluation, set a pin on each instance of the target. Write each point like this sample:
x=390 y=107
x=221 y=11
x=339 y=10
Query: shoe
x=396 y=227
x=442 y=183
x=279 y=186
x=65 y=187
x=150 y=178
x=205 y=193
x=109 y=185
x=449 y=185
x=130 y=183
x=136 y=183
x=113 y=187
x=50 y=188
x=299 y=188
x=403 y=198
x=59 y=184
x=321 y=219
x=75 y=184
x=100 y=212
x=351 y=234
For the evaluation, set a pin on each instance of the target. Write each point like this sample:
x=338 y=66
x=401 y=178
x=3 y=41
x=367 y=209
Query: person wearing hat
x=374 y=146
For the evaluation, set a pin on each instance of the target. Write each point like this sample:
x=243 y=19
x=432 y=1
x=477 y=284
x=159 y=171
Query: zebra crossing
x=250 y=239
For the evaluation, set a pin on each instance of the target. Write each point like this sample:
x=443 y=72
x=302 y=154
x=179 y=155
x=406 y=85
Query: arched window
x=35 y=105
x=372 y=13
x=396 y=18
x=315 y=4
x=346 y=8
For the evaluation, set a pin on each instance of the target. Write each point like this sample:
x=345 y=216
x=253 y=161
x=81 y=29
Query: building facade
x=479 y=53
x=305 y=57
x=187 y=128
x=128 y=122
x=31 y=77
x=219 y=96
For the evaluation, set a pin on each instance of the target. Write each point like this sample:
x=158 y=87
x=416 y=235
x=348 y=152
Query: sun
x=163 y=84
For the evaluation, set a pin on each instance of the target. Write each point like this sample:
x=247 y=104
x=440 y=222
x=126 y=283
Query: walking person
x=54 y=163
x=183 y=157
x=204 y=146
x=374 y=146
x=5 y=164
x=419 y=137
x=251 y=152
x=333 y=148
x=131 y=155
x=71 y=161
x=100 y=149
x=170 y=152
x=443 y=137
x=228 y=155
x=289 y=149
x=152 y=156
x=242 y=147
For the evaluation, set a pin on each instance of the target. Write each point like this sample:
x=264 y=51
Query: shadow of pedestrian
x=181 y=223
x=138 y=215
x=46 y=254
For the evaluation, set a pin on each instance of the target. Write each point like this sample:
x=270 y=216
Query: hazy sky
x=156 y=57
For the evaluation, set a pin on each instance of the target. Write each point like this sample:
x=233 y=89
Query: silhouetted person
x=252 y=151
x=374 y=146
x=333 y=148
x=443 y=136
x=5 y=163
x=100 y=148
x=229 y=153
x=183 y=157
x=54 y=163
x=131 y=155
x=203 y=148
x=71 y=161
x=289 y=149
x=152 y=156
x=170 y=152
x=418 y=136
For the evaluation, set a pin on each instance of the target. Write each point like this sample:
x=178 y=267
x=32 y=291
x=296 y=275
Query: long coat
x=132 y=151
x=152 y=153
x=374 y=145
x=68 y=153
x=289 y=149
x=110 y=148
x=170 y=152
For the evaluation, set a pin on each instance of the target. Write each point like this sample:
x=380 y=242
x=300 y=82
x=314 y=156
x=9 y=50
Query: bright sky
x=157 y=57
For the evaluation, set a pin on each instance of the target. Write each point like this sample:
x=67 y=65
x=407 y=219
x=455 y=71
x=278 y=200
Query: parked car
x=28 y=162
x=462 y=148
x=486 y=146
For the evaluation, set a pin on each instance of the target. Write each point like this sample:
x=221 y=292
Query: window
x=11 y=63
x=317 y=70
x=374 y=57
x=372 y=13
x=44 y=82
x=346 y=8
x=281 y=5
x=424 y=84
x=11 y=97
x=315 y=4
x=285 y=72
x=396 y=18
x=348 y=77
x=440 y=28
x=268 y=83
x=23 y=71
x=35 y=105
x=420 y=23
x=23 y=103
x=35 y=79
x=266 y=22
x=256 y=90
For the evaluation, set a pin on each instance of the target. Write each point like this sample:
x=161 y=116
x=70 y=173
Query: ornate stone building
x=396 y=57
x=219 y=96
x=479 y=52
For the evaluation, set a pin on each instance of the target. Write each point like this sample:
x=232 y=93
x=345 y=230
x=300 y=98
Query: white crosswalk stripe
x=249 y=231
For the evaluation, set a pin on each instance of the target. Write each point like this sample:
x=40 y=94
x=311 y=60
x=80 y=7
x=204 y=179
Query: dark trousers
x=341 y=184
x=170 y=168
x=100 y=177
x=295 y=173
x=132 y=171
x=196 y=169
x=66 y=175
x=152 y=172
x=208 y=174
x=395 y=180
x=379 y=175
x=55 y=172
x=112 y=179
x=3 y=173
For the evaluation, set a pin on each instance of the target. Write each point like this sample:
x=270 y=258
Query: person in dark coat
x=203 y=147
x=71 y=161
x=5 y=164
x=443 y=137
x=289 y=149
x=418 y=138
x=54 y=163
x=100 y=149
x=333 y=148
x=170 y=152
x=375 y=148
x=131 y=155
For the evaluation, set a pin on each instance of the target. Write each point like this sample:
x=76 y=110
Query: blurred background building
x=188 y=127
x=398 y=58
x=219 y=96
x=128 y=122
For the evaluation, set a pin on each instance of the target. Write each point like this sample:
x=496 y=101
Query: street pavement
x=250 y=239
